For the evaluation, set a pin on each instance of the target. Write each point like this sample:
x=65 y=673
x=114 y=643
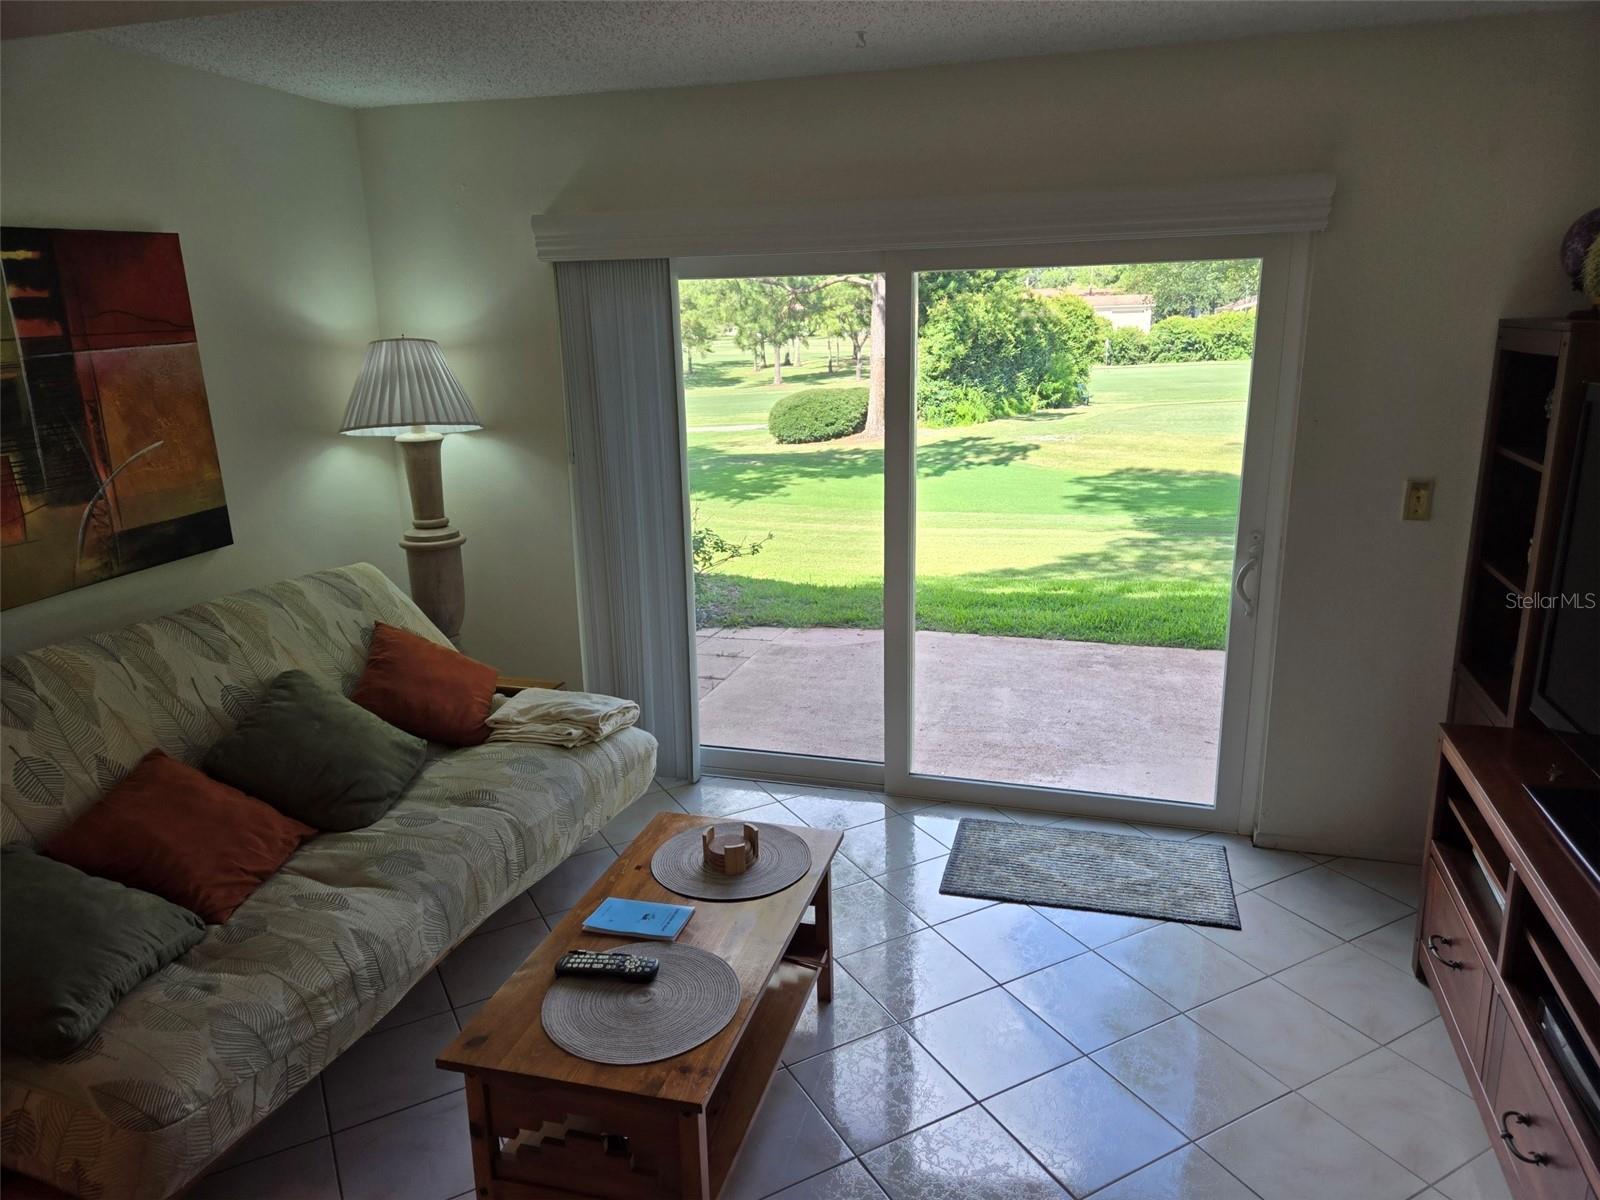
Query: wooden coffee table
x=545 y=1123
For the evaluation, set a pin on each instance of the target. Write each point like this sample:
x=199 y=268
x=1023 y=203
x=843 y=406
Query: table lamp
x=406 y=391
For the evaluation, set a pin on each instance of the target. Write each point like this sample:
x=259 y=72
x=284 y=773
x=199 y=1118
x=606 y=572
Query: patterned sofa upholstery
x=209 y=1046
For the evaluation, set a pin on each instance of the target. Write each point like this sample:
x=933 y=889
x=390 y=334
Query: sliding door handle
x=1252 y=560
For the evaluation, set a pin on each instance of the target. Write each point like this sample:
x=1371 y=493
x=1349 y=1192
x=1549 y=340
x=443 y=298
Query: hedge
x=1218 y=337
x=1127 y=345
x=1179 y=339
x=818 y=415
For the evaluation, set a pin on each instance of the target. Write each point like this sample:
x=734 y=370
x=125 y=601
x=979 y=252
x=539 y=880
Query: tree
x=765 y=312
x=1082 y=343
x=788 y=306
x=1101 y=278
x=933 y=286
x=774 y=311
x=857 y=296
x=1001 y=349
x=1191 y=289
x=697 y=327
x=846 y=313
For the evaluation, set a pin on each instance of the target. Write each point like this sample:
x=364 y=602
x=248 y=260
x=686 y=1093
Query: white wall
x=1462 y=152
x=264 y=190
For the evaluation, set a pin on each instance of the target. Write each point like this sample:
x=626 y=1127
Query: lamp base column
x=432 y=544
x=438 y=585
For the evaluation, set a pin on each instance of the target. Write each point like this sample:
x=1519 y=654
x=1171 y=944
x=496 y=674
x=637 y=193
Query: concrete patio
x=1128 y=720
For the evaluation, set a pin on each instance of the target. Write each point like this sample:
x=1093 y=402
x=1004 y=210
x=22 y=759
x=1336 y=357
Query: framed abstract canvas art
x=107 y=460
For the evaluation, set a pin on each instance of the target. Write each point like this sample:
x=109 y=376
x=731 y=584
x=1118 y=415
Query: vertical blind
x=619 y=357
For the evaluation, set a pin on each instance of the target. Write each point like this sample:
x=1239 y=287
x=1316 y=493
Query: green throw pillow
x=75 y=944
x=316 y=756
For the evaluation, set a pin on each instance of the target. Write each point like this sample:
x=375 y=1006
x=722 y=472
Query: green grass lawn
x=1112 y=522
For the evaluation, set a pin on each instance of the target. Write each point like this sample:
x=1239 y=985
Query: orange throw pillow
x=169 y=829
x=425 y=688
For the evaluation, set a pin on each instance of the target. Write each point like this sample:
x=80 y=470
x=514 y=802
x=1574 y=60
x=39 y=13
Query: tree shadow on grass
x=1196 y=557
x=721 y=475
x=1166 y=583
x=1124 y=604
x=716 y=375
x=1170 y=503
x=1046 y=416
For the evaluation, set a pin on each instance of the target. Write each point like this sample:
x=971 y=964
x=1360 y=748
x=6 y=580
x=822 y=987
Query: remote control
x=598 y=964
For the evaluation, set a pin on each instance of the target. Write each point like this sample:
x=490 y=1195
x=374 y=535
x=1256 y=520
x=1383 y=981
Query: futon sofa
x=206 y=1048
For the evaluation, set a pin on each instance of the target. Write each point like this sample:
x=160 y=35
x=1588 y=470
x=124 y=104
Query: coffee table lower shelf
x=546 y=1140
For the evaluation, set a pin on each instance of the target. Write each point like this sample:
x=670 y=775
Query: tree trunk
x=874 y=425
x=777 y=363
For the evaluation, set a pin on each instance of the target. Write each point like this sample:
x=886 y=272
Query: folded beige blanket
x=559 y=718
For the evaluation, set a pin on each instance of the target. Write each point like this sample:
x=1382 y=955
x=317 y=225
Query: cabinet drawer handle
x=1455 y=964
x=1537 y=1158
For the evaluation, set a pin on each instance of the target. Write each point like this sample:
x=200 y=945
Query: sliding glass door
x=783 y=409
x=990 y=527
x=1079 y=446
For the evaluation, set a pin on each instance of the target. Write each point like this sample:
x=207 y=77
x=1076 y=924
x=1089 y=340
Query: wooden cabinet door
x=1454 y=968
x=1543 y=1162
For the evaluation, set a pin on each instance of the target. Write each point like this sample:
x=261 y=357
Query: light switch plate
x=1419 y=500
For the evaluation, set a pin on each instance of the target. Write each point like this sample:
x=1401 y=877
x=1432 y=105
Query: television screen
x=1566 y=692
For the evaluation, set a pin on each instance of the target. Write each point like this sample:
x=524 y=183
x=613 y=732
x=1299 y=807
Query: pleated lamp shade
x=404 y=383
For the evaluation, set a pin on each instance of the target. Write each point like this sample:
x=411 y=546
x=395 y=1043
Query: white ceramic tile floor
x=1292 y=1150
x=1186 y=1174
x=1429 y=1046
x=964 y=1088
x=964 y=1157
x=1272 y=938
x=890 y=844
x=915 y=974
x=1191 y=1077
x=917 y=887
x=1010 y=940
x=1090 y=1002
x=1422 y=1123
x=1480 y=1179
x=1394 y=943
x=1179 y=965
x=1016 y=1045
x=1085 y=1127
x=865 y=915
x=1251 y=866
x=1335 y=901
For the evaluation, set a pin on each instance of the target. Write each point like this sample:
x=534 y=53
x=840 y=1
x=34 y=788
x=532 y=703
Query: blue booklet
x=638 y=918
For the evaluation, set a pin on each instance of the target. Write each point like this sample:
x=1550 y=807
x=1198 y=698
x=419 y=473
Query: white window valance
x=1277 y=204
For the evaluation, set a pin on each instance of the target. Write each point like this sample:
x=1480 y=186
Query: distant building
x=1134 y=309
x=1243 y=304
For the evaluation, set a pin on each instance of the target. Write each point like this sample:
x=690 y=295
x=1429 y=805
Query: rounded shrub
x=1127 y=345
x=1232 y=334
x=1180 y=339
x=818 y=415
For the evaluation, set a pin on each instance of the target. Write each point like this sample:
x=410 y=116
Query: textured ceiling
x=364 y=53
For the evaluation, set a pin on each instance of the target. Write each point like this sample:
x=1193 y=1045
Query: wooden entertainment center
x=1509 y=934
x=1509 y=919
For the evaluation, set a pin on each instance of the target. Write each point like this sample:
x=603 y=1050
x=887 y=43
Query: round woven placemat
x=691 y=999
x=680 y=865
